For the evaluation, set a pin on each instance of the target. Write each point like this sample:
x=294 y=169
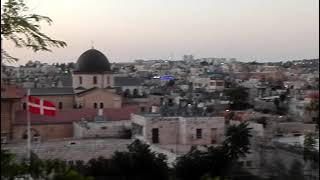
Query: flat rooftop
x=295 y=140
x=71 y=150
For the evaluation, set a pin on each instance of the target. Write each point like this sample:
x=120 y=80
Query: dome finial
x=92 y=47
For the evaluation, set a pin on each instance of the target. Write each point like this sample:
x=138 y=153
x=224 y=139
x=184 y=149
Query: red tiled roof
x=12 y=91
x=71 y=115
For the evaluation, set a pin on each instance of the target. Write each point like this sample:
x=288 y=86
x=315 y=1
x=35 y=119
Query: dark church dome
x=92 y=61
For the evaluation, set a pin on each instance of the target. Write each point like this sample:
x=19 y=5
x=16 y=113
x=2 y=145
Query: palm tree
x=310 y=153
x=237 y=143
x=237 y=140
x=314 y=107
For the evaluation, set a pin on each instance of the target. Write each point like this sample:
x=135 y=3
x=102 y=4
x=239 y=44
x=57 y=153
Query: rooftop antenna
x=92 y=47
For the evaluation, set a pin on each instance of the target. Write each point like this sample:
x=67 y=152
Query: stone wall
x=8 y=109
x=87 y=80
x=6 y=118
x=295 y=127
x=71 y=149
x=109 y=99
x=108 y=129
x=46 y=131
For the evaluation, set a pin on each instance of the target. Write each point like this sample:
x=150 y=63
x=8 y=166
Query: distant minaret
x=92 y=43
x=171 y=57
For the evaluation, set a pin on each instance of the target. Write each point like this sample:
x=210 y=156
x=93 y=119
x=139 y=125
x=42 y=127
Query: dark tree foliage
x=138 y=163
x=237 y=142
x=215 y=161
x=283 y=97
x=171 y=83
x=23 y=29
x=296 y=171
x=238 y=98
x=193 y=165
x=239 y=173
x=37 y=168
x=9 y=167
x=278 y=170
x=309 y=151
x=204 y=63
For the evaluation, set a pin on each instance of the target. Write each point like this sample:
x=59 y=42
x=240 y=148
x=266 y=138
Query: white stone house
x=155 y=129
x=208 y=83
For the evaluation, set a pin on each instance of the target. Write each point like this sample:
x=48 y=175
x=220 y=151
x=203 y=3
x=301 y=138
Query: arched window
x=94 y=79
x=80 y=80
x=135 y=93
x=95 y=105
x=101 y=105
x=34 y=134
x=60 y=105
x=24 y=106
x=126 y=93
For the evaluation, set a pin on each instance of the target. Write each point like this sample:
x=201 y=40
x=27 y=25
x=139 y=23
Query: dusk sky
x=125 y=30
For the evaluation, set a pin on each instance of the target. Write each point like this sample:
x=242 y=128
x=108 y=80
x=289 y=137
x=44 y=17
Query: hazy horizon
x=124 y=30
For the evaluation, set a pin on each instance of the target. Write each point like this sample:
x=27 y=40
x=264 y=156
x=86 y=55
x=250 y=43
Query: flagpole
x=28 y=129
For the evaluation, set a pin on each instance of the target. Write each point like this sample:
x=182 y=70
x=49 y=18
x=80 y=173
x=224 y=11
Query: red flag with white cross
x=41 y=107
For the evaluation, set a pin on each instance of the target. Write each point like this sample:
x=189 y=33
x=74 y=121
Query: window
x=94 y=79
x=95 y=105
x=142 y=109
x=249 y=163
x=80 y=80
x=104 y=127
x=241 y=163
x=155 y=135
x=212 y=83
x=60 y=105
x=24 y=106
x=108 y=80
x=314 y=119
x=199 y=133
x=220 y=83
x=72 y=143
x=101 y=105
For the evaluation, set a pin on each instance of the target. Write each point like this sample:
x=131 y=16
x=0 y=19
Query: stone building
x=210 y=82
x=172 y=131
x=10 y=101
x=132 y=86
x=92 y=90
x=62 y=124
x=93 y=70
